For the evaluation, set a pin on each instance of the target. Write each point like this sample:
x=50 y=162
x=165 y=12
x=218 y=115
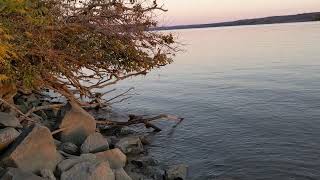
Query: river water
x=250 y=96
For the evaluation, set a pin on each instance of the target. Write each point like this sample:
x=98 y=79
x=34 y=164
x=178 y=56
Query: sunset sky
x=207 y=11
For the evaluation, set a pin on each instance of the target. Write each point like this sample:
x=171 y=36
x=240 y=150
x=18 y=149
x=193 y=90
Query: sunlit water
x=251 y=99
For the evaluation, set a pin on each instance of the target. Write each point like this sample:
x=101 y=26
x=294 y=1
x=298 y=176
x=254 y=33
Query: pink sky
x=208 y=11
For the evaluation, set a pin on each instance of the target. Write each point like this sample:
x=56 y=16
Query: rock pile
x=77 y=152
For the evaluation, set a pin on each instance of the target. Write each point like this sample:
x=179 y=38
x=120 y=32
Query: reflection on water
x=251 y=99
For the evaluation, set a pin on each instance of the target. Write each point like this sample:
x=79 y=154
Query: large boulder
x=77 y=122
x=115 y=158
x=17 y=174
x=89 y=171
x=7 y=136
x=8 y=120
x=121 y=174
x=177 y=172
x=130 y=145
x=95 y=143
x=32 y=151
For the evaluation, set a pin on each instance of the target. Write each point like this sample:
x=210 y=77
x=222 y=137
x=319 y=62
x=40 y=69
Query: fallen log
x=133 y=120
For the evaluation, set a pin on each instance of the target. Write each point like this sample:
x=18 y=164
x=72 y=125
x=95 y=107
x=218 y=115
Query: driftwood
x=133 y=119
x=60 y=130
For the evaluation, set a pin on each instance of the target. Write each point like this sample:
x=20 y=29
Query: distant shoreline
x=306 y=17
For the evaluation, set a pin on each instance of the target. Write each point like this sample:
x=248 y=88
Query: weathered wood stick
x=149 y=125
x=59 y=130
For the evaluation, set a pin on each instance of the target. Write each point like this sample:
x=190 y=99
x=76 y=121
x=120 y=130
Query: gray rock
x=145 y=140
x=112 y=140
x=17 y=174
x=32 y=151
x=47 y=174
x=155 y=173
x=69 y=163
x=79 y=123
x=95 y=143
x=144 y=162
x=177 y=172
x=115 y=158
x=121 y=174
x=138 y=176
x=7 y=136
x=8 y=120
x=145 y=172
x=66 y=155
x=23 y=107
x=57 y=143
x=130 y=145
x=69 y=148
x=33 y=100
x=89 y=171
x=125 y=131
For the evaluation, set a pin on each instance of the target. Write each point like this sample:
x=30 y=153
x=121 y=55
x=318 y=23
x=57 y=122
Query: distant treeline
x=306 y=17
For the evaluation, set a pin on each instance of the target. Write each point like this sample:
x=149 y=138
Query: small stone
x=112 y=140
x=115 y=158
x=121 y=174
x=70 y=148
x=155 y=173
x=177 y=172
x=95 y=143
x=130 y=145
x=18 y=174
x=47 y=174
x=79 y=123
x=7 y=136
x=8 y=120
x=68 y=163
x=145 y=140
x=57 y=143
x=144 y=162
x=125 y=131
x=66 y=155
x=89 y=171
x=32 y=151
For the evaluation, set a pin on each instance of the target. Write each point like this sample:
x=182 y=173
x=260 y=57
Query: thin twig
x=59 y=130
x=122 y=94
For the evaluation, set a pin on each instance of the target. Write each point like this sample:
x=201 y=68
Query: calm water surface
x=251 y=99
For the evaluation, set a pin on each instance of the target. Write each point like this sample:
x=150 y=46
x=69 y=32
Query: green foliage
x=82 y=45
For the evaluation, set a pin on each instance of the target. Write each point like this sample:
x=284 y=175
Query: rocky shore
x=68 y=143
